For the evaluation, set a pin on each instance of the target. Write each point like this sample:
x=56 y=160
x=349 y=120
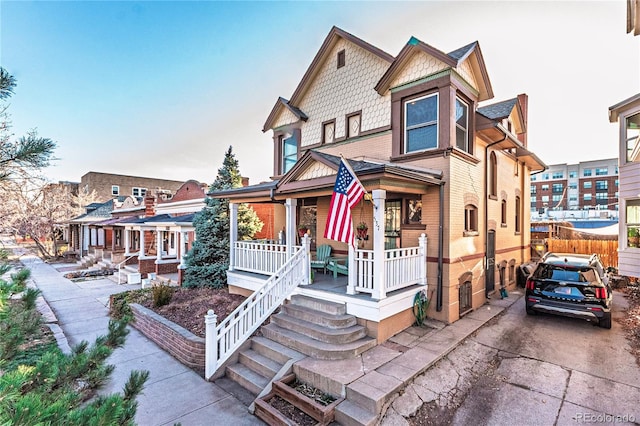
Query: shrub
x=162 y=295
x=120 y=302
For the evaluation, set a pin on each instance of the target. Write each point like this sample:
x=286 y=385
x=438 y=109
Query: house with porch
x=447 y=174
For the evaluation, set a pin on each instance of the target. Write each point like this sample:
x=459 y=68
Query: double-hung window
x=462 y=125
x=289 y=153
x=421 y=123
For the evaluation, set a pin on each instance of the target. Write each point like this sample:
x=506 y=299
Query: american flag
x=347 y=192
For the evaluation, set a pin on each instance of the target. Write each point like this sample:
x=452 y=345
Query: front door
x=489 y=273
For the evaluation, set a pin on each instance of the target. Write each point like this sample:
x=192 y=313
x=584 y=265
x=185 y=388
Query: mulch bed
x=298 y=416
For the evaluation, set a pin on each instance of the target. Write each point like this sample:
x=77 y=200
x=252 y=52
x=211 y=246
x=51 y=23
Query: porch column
x=182 y=247
x=306 y=246
x=233 y=233
x=159 y=235
x=379 y=275
x=141 y=253
x=422 y=242
x=127 y=244
x=290 y=209
x=351 y=261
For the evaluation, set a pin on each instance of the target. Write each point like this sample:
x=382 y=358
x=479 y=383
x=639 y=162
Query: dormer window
x=341 y=59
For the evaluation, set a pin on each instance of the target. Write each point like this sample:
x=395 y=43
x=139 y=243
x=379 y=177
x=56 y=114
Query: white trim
x=430 y=123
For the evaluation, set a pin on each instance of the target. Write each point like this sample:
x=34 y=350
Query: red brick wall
x=146 y=266
x=167 y=268
x=179 y=342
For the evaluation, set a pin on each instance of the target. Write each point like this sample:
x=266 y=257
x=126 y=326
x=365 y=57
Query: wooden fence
x=607 y=250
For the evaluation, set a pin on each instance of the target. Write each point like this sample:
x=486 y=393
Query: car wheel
x=605 y=322
x=530 y=311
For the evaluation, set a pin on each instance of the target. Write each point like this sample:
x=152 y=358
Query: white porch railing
x=222 y=340
x=259 y=256
x=403 y=267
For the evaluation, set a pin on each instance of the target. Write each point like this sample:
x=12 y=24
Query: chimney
x=245 y=181
x=523 y=101
x=149 y=205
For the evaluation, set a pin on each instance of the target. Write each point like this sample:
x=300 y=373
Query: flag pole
x=367 y=196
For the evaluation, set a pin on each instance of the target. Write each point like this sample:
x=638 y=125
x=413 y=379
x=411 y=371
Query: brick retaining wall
x=185 y=346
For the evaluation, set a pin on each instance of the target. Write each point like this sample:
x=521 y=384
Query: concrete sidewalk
x=173 y=393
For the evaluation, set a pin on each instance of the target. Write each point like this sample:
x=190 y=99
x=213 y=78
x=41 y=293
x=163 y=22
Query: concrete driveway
x=529 y=370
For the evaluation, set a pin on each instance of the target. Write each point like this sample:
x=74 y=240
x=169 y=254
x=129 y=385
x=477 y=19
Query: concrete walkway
x=173 y=392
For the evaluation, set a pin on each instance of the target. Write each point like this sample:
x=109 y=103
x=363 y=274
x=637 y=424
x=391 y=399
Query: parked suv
x=572 y=285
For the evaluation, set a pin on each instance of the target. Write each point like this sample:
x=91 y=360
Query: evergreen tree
x=208 y=260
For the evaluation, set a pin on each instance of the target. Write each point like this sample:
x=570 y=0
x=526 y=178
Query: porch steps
x=257 y=366
x=319 y=329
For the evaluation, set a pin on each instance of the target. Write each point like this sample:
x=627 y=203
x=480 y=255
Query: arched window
x=503 y=213
x=518 y=215
x=493 y=175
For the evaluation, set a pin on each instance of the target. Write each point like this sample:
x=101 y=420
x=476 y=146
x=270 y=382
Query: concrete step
x=319 y=304
x=373 y=391
x=259 y=363
x=114 y=278
x=319 y=332
x=274 y=350
x=247 y=378
x=350 y=414
x=316 y=348
x=320 y=318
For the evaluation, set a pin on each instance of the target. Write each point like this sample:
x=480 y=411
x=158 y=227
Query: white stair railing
x=119 y=266
x=222 y=340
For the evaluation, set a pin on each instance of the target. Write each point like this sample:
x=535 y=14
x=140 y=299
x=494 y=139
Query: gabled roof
x=101 y=212
x=498 y=110
x=280 y=103
x=453 y=59
x=628 y=103
x=334 y=34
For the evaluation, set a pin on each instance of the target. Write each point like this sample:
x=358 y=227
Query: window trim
x=493 y=176
x=283 y=157
x=115 y=190
x=503 y=213
x=140 y=189
x=466 y=129
x=470 y=220
x=323 y=139
x=405 y=129
x=347 y=128
x=341 y=59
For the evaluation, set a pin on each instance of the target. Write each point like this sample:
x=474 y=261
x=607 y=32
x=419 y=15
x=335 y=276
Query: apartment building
x=108 y=185
x=576 y=190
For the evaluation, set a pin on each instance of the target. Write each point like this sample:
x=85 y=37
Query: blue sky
x=161 y=89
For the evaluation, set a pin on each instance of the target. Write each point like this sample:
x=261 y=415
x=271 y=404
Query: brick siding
x=178 y=341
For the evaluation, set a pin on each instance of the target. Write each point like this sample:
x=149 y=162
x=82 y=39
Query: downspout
x=440 y=250
x=486 y=206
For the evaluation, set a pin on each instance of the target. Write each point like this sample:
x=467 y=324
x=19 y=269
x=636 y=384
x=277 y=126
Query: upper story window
x=533 y=189
x=341 y=58
x=353 y=125
x=329 y=131
x=557 y=175
x=115 y=190
x=602 y=171
x=470 y=219
x=573 y=174
x=545 y=187
x=545 y=176
x=421 y=123
x=138 y=192
x=573 y=185
x=587 y=185
x=289 y=153
x=557 y=187
x=534 y=178
x=586 y=172
x=493 y=175
x=602 y=185
x=462 y=125
x=503 y=213
x=633 y=137
x=518 y=214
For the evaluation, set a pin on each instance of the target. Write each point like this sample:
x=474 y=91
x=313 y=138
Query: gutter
x=440 y=250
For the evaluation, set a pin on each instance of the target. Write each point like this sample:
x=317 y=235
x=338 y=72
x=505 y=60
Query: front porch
x=379 y=293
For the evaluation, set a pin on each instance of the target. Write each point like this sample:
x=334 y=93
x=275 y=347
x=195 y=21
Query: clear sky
x=161 y=89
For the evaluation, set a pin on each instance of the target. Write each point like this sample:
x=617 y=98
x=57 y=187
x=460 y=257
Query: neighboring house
x=435 y=162
x=588 y=189
x=627 y=114
x=108 y=185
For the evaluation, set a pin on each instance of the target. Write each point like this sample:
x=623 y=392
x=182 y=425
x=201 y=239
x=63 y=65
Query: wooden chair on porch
x=338 y=265
x=323 y=253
